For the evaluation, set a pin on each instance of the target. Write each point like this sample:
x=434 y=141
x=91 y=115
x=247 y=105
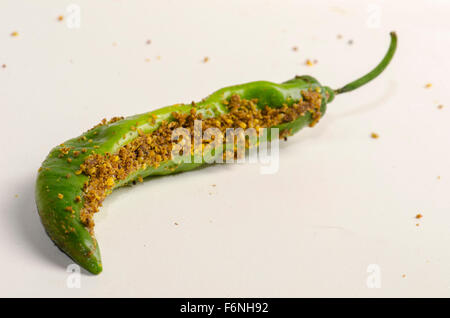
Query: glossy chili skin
x=58 y=176
x=59 y=185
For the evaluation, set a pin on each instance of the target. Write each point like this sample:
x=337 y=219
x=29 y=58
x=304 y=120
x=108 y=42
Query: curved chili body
x=58 y=176
x=59 y=186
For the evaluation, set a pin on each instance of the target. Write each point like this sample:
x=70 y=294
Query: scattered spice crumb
x=295 y=49
x=440 y=106
x=439 y=177
x=428 y=85
x=148 y=42
x=205 y=59
x=213 y=185
x=110 y=181
x=339 y=36
x=60 y=18
x=15 y=33
x=69 y=209
x=350 y=42
x=419 y=216
x=16 y=196
x=4 y=65
x=308 y=62
x=404 y=276
x=374 y=135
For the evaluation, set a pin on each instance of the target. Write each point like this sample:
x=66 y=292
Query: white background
x=340 y=200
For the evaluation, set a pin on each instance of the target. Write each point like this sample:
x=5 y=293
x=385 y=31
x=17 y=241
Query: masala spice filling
x=152 y=149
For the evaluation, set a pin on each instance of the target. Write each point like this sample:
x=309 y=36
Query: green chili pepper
x=59 y=186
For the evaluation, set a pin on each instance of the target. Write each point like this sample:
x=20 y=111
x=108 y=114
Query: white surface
x=340 y=201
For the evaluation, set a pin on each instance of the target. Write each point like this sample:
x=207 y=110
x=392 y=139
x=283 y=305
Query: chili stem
x=373 y=73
